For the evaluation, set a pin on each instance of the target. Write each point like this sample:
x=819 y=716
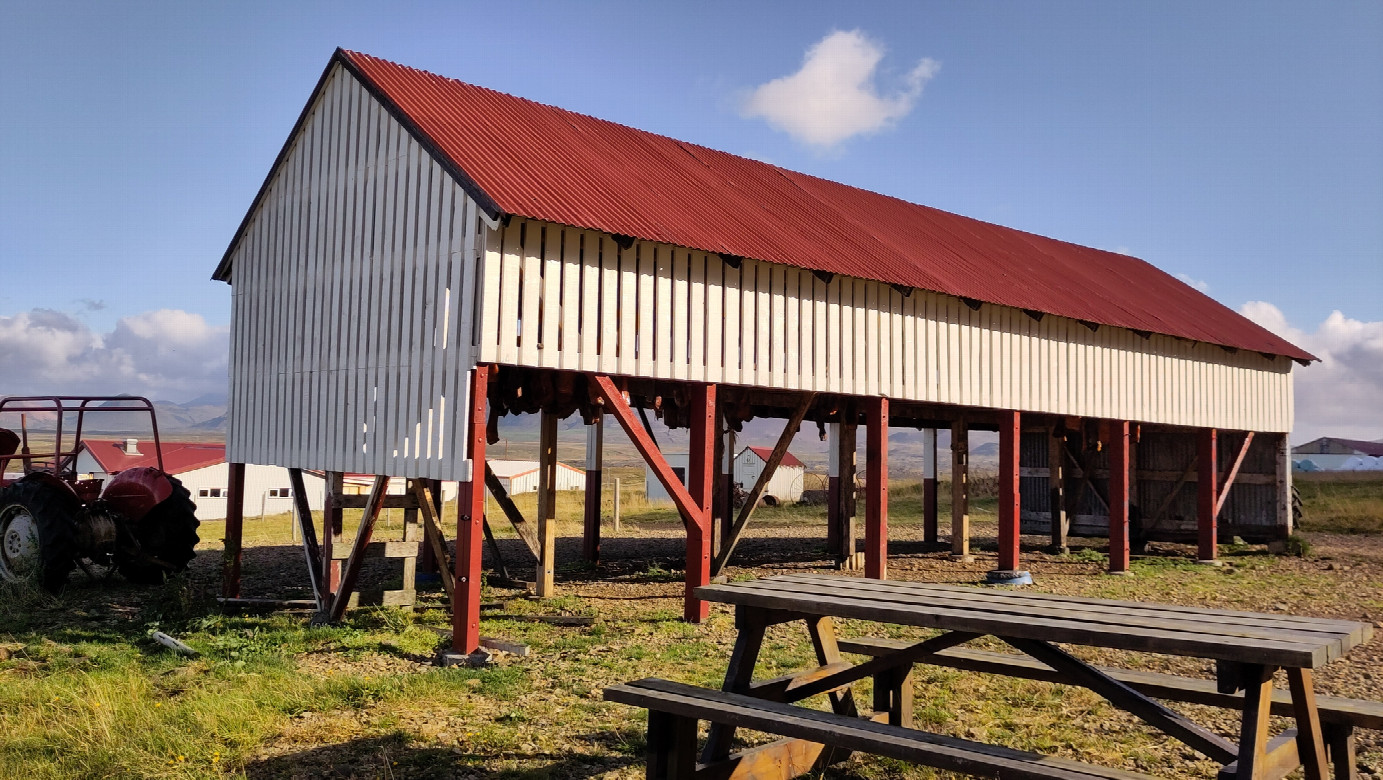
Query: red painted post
x=930 y=520
x=701 y=470
x=470 y=517
x=876 y=499
x=1207 y=490
x=235 y=528
x=1010 y=432
x=590 y=535
x=1118 y=497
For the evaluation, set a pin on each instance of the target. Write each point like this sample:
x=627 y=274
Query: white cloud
x=1340 y=395
x=1199 y=284
x=833 y=96
x=165 y=354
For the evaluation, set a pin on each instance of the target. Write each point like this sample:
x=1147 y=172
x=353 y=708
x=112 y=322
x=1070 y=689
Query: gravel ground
x=1342 y=578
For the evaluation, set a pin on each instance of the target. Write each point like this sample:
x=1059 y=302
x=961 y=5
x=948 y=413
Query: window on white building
x=212 y=493
x=280 y=492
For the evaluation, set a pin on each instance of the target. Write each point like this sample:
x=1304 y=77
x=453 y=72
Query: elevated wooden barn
x=426 y=255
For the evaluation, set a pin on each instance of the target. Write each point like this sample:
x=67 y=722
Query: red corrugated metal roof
x=178 y=456
x=765 y=453
x=531 y=160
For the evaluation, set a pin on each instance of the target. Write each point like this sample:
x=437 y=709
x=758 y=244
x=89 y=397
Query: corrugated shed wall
x=563 y=297
x=1163 y=501
x=353 y=302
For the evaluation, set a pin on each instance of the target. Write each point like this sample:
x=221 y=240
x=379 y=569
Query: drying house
x=426 y=255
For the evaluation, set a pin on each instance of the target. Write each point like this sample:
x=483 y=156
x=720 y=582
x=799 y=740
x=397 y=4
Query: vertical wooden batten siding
x=354 y=301
x=775 y=326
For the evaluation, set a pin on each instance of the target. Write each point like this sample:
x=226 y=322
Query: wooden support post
x=1207 y=477
x=332 y=511
x=846 y=443
x=718 y=487
x=960 y=492
x=930 y=531
x=590 y=532
x=1283 y=471
x=427 y=560
x=876 y=481
x=470 y=518
x=1233 y=474
x=833 y=503
x=701 y=468
x=235 y=529
x=1119 y=497
x=1010 y=437
x=547 y=505
x=1056 y=490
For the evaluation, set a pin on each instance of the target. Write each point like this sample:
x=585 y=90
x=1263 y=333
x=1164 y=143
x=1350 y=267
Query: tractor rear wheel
x=37 y=533
x=167 y=538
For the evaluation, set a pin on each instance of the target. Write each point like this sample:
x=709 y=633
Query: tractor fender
x=133 y=492
x=45 y=478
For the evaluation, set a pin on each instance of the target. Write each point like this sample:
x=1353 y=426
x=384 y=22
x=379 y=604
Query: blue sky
x=1238 y=144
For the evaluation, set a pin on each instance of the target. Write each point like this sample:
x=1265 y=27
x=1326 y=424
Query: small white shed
x=521 y=476
x=784 y=487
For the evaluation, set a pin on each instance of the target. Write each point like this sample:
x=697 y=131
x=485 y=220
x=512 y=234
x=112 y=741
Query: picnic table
x=1248 y=649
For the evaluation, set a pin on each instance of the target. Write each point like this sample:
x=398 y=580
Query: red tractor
x=142 y=523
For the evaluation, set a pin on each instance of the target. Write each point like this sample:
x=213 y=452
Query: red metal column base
x=1010 y=431
x=470 y=534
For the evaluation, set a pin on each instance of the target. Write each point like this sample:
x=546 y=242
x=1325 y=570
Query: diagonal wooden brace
x=432 y=532
x=604 y=387
x=309 y=531
x=1126 y=698
x=362 y=540
x=780 y=450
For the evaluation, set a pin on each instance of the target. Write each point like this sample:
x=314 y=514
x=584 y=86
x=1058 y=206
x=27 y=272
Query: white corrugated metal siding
x=353 y=289
x=563 y=297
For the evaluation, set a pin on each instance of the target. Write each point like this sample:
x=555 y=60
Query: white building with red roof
x=784 y=487
x=202 y=469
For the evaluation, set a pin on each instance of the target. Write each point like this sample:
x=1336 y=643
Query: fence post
x=616 y=504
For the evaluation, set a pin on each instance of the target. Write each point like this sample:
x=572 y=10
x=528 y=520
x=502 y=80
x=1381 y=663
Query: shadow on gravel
x=393 y=756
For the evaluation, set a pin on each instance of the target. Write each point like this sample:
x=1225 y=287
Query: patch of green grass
x=1343 y=503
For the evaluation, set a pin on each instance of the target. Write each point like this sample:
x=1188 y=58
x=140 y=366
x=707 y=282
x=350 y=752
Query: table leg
x=1253 y=734
x=823 y=632
x=893 y=694
x=751 y=624
x=671 y=746
x=1310 y=742
x=1341 y=740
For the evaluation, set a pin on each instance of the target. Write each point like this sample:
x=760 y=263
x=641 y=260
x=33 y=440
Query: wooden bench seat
x=674 y=708
x=1339 y=716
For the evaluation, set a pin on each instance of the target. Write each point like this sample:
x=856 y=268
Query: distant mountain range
x=203 y=415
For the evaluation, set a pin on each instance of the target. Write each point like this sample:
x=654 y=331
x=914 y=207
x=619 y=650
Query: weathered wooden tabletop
x=1244 y=637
